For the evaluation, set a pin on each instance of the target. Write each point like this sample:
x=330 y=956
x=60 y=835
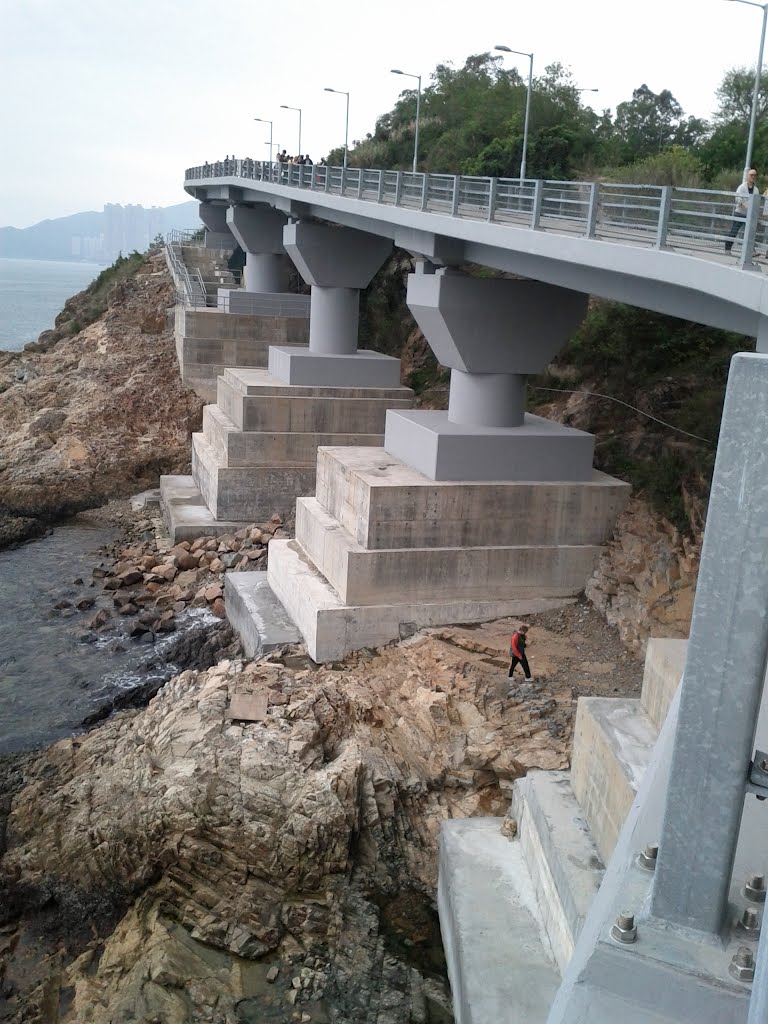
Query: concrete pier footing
x=382 y=549
x=258 y=448
x=256 y=614
x=208 y=341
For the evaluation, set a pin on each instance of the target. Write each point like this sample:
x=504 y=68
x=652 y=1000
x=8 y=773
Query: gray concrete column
x=487 y=399
x=762 y=335
x=334 y=316
x=337 y=263
x=265 y=272
x=259 y=231
x=491 y=333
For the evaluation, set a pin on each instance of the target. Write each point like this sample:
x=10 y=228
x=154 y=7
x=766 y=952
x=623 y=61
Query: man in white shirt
x=743 y=192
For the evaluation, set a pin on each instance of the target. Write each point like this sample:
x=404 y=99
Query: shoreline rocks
x=295 y=841
x=101 y=412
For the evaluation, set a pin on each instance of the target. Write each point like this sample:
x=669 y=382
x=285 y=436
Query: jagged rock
x=646 y=578
x=101 y=414
x=266 y=839
x=101 y=618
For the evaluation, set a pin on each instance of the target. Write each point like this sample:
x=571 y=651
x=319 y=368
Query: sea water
x=54 y=671
x=32 y=293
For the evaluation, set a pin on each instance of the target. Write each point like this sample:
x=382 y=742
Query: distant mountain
x=96 y=236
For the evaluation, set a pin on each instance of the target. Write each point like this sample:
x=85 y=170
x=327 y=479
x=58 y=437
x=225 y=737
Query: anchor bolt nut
x=754 y=890
x=742 y=966
x=625 y=929
x=749 y=923
x=647 y=857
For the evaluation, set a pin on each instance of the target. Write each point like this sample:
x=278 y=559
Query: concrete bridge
x=423 y=517
x=657 y=247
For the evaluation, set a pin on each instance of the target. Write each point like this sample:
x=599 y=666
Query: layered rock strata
x=201 y=868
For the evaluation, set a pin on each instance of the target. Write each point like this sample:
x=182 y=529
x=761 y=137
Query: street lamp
x=396 y=71
x=756 y=93
x=346 y=123
x=284 y=106
x=265 y=121
x=587 y=90
x=522 y=53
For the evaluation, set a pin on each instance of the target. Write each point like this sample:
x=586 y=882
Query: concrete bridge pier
x=213 y=214
x=337 y=263
x=259 y=232
x=257 y=452
x=473 y=513
x=492 y=333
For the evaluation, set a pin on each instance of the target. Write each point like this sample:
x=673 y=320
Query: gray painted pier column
x=259 y=231
x=217 y=234
x=487 y=399
x=492 y=333
x=337 y=263
x=724 y=670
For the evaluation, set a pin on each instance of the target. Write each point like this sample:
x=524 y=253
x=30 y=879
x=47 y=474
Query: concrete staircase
x=543 y=882
x=212 y=264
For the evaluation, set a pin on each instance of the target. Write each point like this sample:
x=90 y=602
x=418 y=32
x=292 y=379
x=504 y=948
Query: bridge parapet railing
x=698 y=221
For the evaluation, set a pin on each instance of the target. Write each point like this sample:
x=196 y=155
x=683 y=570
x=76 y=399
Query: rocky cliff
x=180 y=865
x=94 y=413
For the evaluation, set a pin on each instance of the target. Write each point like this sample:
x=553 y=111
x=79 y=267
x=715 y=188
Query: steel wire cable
x=634 y=408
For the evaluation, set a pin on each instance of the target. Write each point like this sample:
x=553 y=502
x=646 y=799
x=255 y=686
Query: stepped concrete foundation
x=208 y=341
x=258 y=448
x=185 y=513
x=471 y=514
x=256 y=614
x=382 y=550
x=257 y=451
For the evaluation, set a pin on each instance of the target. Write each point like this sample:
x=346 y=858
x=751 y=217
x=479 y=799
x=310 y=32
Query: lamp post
x=396 y=71
x=756 y=92
x=284 y=106
x=346 y=123
x=522 y=53
x=265 y=121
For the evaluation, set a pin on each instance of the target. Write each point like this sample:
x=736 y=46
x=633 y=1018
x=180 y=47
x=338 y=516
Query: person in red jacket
x=517 y=653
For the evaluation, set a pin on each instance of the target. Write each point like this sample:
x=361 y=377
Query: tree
x=648 y=123
x=735 y=97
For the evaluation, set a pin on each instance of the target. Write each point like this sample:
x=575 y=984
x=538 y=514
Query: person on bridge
x=517 y=653
x=743 y=192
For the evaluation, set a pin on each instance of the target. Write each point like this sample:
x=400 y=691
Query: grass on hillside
x=91 y=303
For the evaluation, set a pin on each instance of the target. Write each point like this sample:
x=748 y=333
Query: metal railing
x=285 y=304
x=188 y=292
x=191 y=287
x=695 y=221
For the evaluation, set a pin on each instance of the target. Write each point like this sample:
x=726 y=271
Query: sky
x=110 y=100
